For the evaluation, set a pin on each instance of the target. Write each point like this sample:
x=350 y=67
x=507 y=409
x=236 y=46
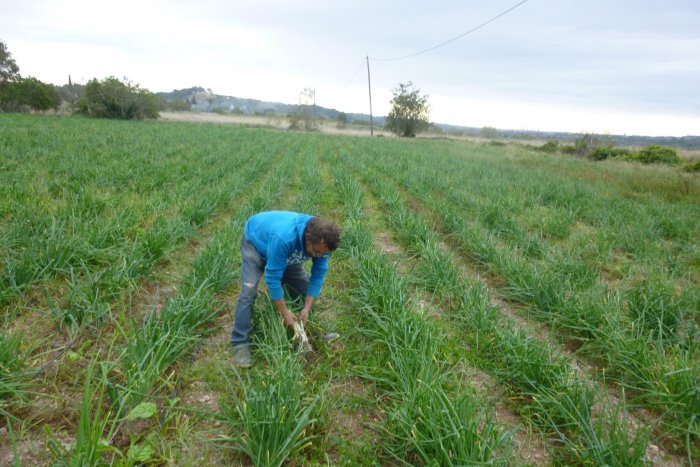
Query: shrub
x=300 y=117
x=585 y=144
x=568 y=149
x=70 y=93
x=693 y=166
x=489 y=132
x=175 y=105
x=112 y=98
x=550 y=146
x=342 y=120
x=656 y=154
x=609 y=152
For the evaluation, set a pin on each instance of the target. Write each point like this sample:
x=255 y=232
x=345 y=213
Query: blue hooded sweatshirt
x=279 y=238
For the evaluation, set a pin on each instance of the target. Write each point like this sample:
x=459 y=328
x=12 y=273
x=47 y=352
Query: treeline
x=18 y=93
x=600 y=148
x=684 y=142
x=106 y=98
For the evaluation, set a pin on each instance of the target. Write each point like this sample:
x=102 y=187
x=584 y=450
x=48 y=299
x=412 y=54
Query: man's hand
x=304 y=315
x=289 y=318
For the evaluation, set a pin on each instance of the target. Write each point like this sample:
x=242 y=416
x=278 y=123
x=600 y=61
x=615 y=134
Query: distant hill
x=180 y=94
x=204 y=100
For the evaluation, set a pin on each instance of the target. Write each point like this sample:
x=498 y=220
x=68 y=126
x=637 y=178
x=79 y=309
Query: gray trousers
x=295 y=281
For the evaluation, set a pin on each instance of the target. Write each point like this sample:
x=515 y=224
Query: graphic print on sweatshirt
x=296 y=257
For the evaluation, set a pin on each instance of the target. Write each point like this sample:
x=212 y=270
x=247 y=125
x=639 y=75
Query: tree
x=112 y=98
x=70 y=93
x=409 y=111
x=303 y=116
x=9 y=71
x=28 y=94
x=19 y=94
x=342 y=120
x=489 y=132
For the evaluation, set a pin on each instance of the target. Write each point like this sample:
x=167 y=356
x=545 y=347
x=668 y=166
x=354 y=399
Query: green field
x=497 y=305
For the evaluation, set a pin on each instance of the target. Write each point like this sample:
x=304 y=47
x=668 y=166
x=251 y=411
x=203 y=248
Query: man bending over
x=276 y=244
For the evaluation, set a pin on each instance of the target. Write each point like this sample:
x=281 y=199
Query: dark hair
x=320 y=230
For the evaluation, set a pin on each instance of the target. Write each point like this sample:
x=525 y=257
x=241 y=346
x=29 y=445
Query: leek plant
x=116 y=222
x=270 y=413
x=271 y=419
x=311 y=189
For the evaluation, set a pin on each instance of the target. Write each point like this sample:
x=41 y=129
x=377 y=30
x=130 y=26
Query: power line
x=359 y=67
x=454 y=38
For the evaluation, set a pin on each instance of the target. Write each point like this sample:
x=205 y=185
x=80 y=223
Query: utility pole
x=369 y=85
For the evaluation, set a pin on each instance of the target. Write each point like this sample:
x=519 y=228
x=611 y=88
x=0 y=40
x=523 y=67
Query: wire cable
x=454 y=38
x=362 y=62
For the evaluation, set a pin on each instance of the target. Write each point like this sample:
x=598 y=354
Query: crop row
x=119 y=386
x=557 y=197
x=273 y=412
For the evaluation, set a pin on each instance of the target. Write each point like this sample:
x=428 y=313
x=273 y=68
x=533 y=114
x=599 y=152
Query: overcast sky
x=623 y=66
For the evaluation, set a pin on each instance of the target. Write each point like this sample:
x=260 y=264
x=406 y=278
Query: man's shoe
x=242 y=356
x=326 y=337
